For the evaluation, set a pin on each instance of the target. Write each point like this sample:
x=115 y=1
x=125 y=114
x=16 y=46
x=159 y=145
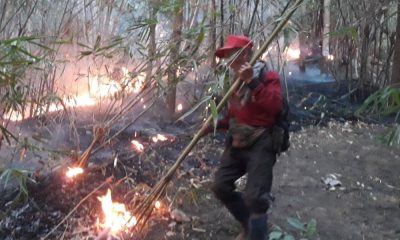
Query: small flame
x=330 y=57
x=157 y=205
x=116 y=217
x=13 y=116
x=139 y=82
x=73 y=172
x=293 y=53
x=138 y=145
x=179 y=107
x=159 y=137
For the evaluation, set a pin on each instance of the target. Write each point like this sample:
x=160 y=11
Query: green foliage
x=214 y=114
x=384 y=102
x=392 y=136
x=7 y=134
x=350 y=31
x=15 y=59
x=20 y=177
x=305 y=230
x=105 y=50
x=195 y=107
x=169 y=6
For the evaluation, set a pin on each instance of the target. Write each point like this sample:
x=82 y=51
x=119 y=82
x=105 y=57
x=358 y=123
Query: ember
x=138 y=146
x=157 y=205
x=179 y=107
x=159 y=137
x=116 y=217
x=73 y=172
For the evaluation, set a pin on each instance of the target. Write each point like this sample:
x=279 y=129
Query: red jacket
x=263 y=107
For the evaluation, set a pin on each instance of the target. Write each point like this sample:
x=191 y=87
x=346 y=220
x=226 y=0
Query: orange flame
x=138 y=146
x=157 y=205
x=73 y=172
x=293 y=53
x=116 y=217
x=159 y=137
x=100 y=86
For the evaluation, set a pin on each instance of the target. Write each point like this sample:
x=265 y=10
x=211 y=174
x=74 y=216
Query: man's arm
x=267 y=95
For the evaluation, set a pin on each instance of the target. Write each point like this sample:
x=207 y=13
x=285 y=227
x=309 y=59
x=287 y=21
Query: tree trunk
x=152 y=43
x=303 y=45
x=213 y=34
x=222 y=23
x=364 y=58
x=395 y=79
x=174 y=56
x=326 y=30
x=325 y=36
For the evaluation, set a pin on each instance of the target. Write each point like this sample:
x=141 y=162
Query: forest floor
x=330 y=148
x=366 y=205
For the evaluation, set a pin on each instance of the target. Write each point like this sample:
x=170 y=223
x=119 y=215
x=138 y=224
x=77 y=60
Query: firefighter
x=249 y=148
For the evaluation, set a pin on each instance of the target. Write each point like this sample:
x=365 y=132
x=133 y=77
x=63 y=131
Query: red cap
x=233 y=41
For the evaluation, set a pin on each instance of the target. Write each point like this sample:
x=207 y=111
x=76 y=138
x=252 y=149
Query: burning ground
x=363 y=202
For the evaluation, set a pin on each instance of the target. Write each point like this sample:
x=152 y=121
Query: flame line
x=108 y=180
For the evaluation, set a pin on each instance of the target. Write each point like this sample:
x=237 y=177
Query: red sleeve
x=267 y=95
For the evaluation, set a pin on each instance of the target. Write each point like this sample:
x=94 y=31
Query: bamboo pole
x=236 y=83
x=146 y=206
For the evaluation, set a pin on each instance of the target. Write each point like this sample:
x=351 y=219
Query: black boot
x=258 y=227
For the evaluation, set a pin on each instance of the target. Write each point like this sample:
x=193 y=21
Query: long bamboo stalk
x=142 y=210
x=236 y=83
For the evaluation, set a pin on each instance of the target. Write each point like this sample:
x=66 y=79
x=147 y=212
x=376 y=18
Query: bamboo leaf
x=294 y=222
x=97 y=44
x=311 y=227
x=43 y=46
x=108 y=47
x=86 y=53
x=194 y=108
x=6 y=174
x=288 y=237
x=82 y=45
x=7 y=134
x=276 y=235
x=214 y=114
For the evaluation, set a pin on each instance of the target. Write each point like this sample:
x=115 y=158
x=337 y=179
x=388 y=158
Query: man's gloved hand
x=246 y=72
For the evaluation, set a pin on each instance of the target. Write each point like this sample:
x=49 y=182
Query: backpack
x=280 y=131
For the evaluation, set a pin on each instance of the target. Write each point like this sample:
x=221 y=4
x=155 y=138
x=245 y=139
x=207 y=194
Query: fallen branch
x=124 y=128
x=143 y=210
x=84 y=158
x=108 y=180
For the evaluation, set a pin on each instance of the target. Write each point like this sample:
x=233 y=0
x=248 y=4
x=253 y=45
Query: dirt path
x=366 y=206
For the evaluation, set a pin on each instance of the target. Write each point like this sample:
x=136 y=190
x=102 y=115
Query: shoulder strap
x=259 y=70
